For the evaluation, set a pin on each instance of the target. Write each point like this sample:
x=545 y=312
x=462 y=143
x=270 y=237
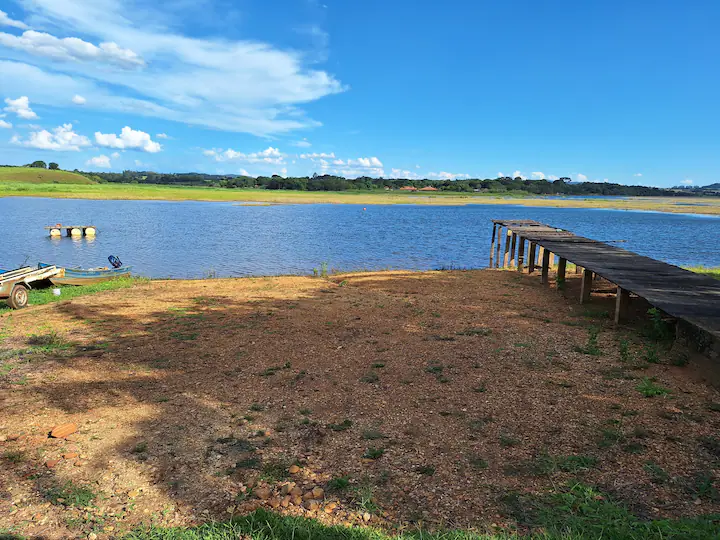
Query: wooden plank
x=622 y=303
x=586 y=286
x=506 y=253
x=492 y=245
x=513 y=246
x=521 y=254
x=498 y=247
x=531 y=258
x=545 y=267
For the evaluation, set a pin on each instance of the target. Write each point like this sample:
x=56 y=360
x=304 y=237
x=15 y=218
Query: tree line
x=562 y=186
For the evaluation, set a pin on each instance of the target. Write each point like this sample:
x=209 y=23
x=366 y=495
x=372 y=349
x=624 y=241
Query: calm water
x=192 y=239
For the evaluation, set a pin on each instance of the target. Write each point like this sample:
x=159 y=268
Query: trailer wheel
x=18 y=297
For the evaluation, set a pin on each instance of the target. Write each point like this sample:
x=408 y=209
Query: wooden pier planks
x=680 y=293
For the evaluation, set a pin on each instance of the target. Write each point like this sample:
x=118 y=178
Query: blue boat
x=90 y=276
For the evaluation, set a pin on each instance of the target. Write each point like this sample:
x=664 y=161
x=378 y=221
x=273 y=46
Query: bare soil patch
x=390 y=397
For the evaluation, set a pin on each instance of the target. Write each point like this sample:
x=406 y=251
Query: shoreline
x=255 y=197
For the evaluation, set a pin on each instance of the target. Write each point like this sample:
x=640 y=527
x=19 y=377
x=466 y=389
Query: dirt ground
x=393 y=398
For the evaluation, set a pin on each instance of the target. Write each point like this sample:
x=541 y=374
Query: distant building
x=429 y=188
x=408 y=188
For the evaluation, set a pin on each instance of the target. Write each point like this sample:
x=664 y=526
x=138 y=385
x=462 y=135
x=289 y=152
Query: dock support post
x=531 y=258
x=521 y=254
x=560 y=278
x=545 y=266
x=492 y=245
x=622 y=302
x=506 y=252
x=513 y=247
x=499 y=246
x=540 y=255
x=577 y=268
x=586 y=286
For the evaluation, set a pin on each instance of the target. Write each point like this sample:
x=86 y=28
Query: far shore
x=686 y=205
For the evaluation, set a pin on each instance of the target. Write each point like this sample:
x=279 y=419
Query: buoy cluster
x=75 y=232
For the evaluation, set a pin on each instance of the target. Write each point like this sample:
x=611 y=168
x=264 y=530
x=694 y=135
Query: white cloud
x=78 y=99
x=283 y=172
x=687 y=182
x=101 y=161
x=365 y=162
x=518 y=173
x=400 y=173
x=4 y=124
x=162 y=136
x=302 y=144
x=581 y=177
x=115 y=155
x=417 y=166
x=448 y=176
x=269 y=85
x=62 y=139
x=5 y=20
x=21 y=107
x=71 y=49
x=637 y=174
x=129 y=139
x=318 y=156
x=537 y=175
x=244 y=172
x=270 y=155
x=552 y=177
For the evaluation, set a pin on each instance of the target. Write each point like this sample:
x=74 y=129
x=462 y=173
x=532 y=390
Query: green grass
x=569 y=512
x=648 y=388
x=707 y=270
x=547 y=464
x=33 y=175
x=39 y=297
x=71 y=495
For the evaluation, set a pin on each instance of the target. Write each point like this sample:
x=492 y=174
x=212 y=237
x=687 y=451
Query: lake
x=201 y=239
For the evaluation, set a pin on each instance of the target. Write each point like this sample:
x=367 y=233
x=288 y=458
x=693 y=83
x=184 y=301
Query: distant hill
x=715 y=186
x=33 y=175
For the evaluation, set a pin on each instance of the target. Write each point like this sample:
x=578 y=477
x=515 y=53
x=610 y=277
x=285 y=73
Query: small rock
x=311 y=505
x=297 y=501
x=3 y=438
x=262 y=493
x=70 y=455
x=274 y=503
x=308 y=496
x=63 y=430
x=318 y=493
x=697 y=502
x=285 y=501
x=329 y=507
x=50 y=463
x=134 y=493
x=296 y=492
x=286 y=488
x=366 y=517
x=294 y=469
x=92 y=536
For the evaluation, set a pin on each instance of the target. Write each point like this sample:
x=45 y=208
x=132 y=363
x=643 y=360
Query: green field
x=27 y=182
x=34 y=175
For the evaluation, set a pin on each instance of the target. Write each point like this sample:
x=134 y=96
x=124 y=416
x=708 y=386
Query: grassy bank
x=39 y=297
x=35 y=175
x=180 y=193
x=707 y=270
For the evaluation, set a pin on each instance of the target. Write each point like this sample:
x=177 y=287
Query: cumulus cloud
x=270 y=155
x=269 y=85
x=71 y=49
x=302 y=144
x=4 y=124
x=78 y=100
x=129 y=139
x=101 y=161
x=537 y=175
x=447 y=176
x=62 y=139
x=115 y=155
x=365 y=162
x=687 y=182
x=21 y=107
x=517 y=174
x=581 y=177
x=637 y=174
x=400 y=173
x=162 y=136
x=5 y=20
x=244 y=172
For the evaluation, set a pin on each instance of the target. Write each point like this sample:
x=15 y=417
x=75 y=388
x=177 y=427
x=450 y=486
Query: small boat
x=89 y=276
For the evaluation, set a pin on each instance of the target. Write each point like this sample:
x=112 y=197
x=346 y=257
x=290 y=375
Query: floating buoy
x=90 y=231
x=76 y=232
x=55 y=233
x=364 y=209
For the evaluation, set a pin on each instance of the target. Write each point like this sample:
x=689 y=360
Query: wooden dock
x=682 y=294
x=71 y=230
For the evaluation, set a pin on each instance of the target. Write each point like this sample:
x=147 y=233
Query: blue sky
x=615 y=90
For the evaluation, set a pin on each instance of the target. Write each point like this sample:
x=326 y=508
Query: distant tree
x=565 y=179
x=54 y=166
x=39 y=164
